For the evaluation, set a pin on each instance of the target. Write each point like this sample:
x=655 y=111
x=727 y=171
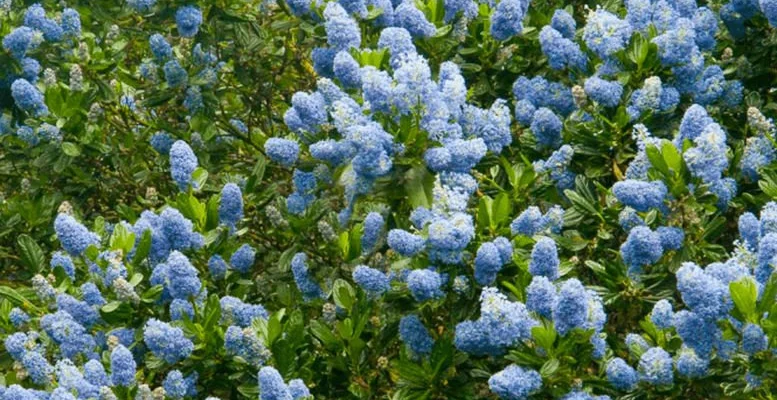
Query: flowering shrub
x=403 y=199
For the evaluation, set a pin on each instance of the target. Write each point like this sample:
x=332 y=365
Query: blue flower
x=73 y=236
x=347 y=70
x=71 y=23
x=38 y=367
x=655 y=367
x=564 y=23
x=640 y=195
x=72 y=337
x=193 y=100
x=235 y=312
x=404 y=242
x=175 y=75
x=35 y=17
x=180 y=308
x=662 y=314
x=81 y=311
x=243 y=258
x=178 y=277
x=606 y=93
x=621 y=375
x=415 y=336
x=407 y=16
x=298 y=389
x=342 y=31
x=561 y=51
x=675 y=46
x=694 y=121
x=19 y=42
x=398 y=42
x=91 y=294
x=769 y=8
x=690 y=365
x=18 y=317
x=30 y=69
x=697 y=333
x=628 y=219
x=547 y=127
x=606 y=34
x=188 y=20
x=502 y=324
x=671 y=237
x=309 y=288
x=162 y=142
x=425 y=284
x=754 y=339
x=217 y=267
x=515 y=383
x=28 y=98
x=371 y=280
x=530 y=222
x=246 y=344
x=166 y=342
x=488 y=262
x=183 y=162
x=271 y=385
x=524 y=112
x=62 y=260
x=571 y=309
x=231 y=205
x=541 y=296
x=749 y=230
x=160 y=47
x=177 y=387
x=373 y=229
x=122 y=367
x=141 y=5
x=507 y=19
x=544 y=259
x=642 y=247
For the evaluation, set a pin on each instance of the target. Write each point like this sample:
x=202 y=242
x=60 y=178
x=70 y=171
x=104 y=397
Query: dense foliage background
x=402 y=199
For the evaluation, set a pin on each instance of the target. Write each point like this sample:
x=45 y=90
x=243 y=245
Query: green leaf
x=419 y=186
x=768 y=295
x=344 y=294
x=199 y=176
x=31 y=254
x=744 y=294
x=549 y=368
x=122 y=239
x=545 y=336
x=657 y=160
x=71 y=149
x=143 y=249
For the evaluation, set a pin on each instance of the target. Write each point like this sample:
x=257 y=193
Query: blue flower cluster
x=502 y=324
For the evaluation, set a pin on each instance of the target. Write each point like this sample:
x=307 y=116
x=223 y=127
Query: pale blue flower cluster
x=170 y=231
x=415 y=336
x=502 y=324
x=507 y=19
x=235 y=312
x=309 y=288
x=188 y=20
x=371 y=280
x=231 y=205
x=272 y=386
x=532 y=222
x=183 y=162
x=490 y=258
x=426 y=284
x=166 y=341
x=515 y=383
